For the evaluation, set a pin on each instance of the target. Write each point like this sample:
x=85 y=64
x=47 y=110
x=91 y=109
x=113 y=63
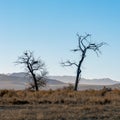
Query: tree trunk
x=77 y=79
x=34 y=77
x=35 y=82
x=79 y=70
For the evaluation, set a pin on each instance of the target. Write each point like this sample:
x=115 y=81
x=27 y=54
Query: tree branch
x=79 y=42
x=68 y=63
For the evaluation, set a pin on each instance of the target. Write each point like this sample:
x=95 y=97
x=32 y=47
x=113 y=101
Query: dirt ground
x=60 y=112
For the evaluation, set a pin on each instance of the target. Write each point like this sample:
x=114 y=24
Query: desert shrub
x=7 y=93
x=105 y=90
x=103 y=101
x=61 y=96
x=3 y=92
x=19 y=102
x=69 y=87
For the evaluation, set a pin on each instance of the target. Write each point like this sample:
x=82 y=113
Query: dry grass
x=60 y=105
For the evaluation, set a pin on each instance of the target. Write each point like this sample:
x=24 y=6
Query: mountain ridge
x=71 y=79
x=20 y=81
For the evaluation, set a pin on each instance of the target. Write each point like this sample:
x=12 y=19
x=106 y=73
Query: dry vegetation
x=60 y=105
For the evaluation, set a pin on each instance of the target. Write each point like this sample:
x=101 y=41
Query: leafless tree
x=84 y=44
x=35 y=69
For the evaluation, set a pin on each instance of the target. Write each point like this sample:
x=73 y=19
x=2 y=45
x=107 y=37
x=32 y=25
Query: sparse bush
x=61 y=96
x=69 y=87
x=7 y=93
x=3 y=92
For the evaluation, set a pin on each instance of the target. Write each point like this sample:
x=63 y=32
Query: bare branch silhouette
x=35 y=69
x=83 y=46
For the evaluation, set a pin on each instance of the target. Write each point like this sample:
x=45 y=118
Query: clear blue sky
x=49 y=27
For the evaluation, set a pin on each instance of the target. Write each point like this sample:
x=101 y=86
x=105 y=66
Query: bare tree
x=84 y=44
x=35 y=69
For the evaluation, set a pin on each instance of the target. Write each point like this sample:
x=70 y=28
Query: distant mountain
x=54 y=82
x=12 y=82
x=20 y=81
x=24 y=76
x=71 y=79
x=12 y=78
x=20 y=74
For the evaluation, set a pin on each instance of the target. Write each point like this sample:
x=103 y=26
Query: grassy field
x=60 y=105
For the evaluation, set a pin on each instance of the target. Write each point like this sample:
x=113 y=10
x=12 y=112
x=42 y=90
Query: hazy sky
x=49 y=27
